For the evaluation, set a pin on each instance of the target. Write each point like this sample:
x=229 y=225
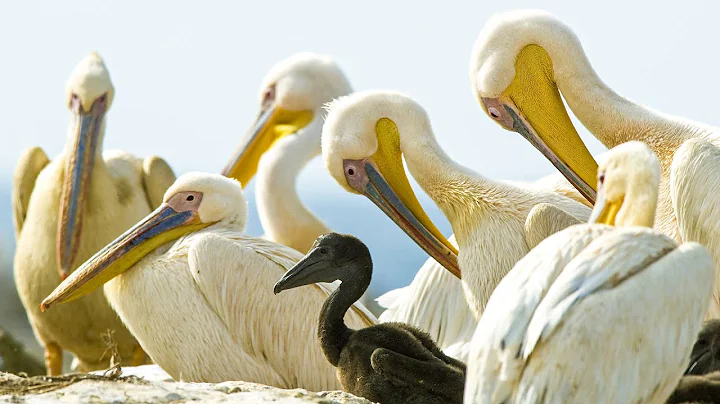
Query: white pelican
x=283 y=139
x=364 y=139
x=66 y=209
x=198 y=293
x=596 y=313
x=523 y=61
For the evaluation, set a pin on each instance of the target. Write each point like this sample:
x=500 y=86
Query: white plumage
x=596 y=313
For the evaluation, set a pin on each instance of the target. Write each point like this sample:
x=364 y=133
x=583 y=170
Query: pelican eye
x=494 y=112
x=351 y=171
x=601 y=178
x=190 y=198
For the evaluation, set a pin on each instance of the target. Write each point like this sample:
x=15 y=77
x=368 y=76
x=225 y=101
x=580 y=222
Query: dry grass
x=23 y=384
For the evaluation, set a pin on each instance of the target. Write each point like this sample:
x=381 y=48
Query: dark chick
x=705 y=356
x=386 y=363
x=697 y=389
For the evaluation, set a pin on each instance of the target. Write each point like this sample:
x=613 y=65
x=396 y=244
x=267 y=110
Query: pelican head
x=362 y=142
x=193 y=202
x=291 y=97
x=514 y=80
x=89 y=95
x=628 y=180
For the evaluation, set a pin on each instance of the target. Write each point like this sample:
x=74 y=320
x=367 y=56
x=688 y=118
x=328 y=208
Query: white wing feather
x=236 y=274
x=573 y=320
x=497 y=343
x=695 y=194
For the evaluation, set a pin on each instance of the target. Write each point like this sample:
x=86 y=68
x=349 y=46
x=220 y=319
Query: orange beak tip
x=43 y=307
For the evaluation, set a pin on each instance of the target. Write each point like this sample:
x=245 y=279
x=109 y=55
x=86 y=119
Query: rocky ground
x=115 y=387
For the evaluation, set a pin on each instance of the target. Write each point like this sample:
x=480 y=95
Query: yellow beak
x=163 y=225
x=604 y=211
x=536 y=111
x=271 y=125
x=382 y=179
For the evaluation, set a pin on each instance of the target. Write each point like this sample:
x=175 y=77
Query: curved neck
x=638 y=208
x=611 y=118
x=332 y=331
x=463 y=195
x=285 y=219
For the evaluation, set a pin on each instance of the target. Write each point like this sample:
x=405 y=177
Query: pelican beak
x=84 y=142
x=163 y=225
x=312 y=268
x=272 y=124
x=604 y=211
x=382 y=179
x=532 y=106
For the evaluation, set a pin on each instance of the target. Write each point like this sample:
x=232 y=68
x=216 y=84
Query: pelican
x=66 y=209
x=524 y=60
x=365 y=136
x=198 y=293
x=577 y=320
x=283 y=139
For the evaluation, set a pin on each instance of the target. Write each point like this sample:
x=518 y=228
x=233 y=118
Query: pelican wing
x=603 y=264
x=695 y=195
x=236 y=274
x=606 y=346
x=544 y=220
x=497 y=343
x=31 y=162
x=218 y=260
x=157 y=178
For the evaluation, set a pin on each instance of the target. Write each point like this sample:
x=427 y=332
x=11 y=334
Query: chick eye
x=190 y=198
x=323 y=251
x=701 y=342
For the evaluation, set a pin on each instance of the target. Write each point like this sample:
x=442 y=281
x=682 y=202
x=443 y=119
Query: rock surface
x=93 y=388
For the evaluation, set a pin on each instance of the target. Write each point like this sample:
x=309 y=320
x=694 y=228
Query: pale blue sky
x=187 y=73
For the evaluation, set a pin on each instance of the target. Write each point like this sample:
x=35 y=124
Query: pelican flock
x=588 y=285
x=521 y=64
